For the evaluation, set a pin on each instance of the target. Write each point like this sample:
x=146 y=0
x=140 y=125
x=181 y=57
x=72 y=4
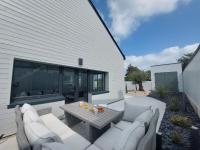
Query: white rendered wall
x=176 y=67
x=191 y=78
x=56 y=32
x=147 y=85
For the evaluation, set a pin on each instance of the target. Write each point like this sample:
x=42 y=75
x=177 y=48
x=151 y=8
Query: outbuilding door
x=167 y=80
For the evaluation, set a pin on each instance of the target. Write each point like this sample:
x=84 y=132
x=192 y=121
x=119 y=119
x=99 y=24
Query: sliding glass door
x=82 y=90
x=69 y=86
x=75 y=85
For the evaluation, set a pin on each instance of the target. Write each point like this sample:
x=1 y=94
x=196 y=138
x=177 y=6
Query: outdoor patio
x=11 y=144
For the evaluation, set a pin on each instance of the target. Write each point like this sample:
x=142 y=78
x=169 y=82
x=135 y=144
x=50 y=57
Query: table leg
x=95 y=133
x=71 y=120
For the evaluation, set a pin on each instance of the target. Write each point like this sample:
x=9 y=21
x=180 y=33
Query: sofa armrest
x=119 y=118
x=44 y=111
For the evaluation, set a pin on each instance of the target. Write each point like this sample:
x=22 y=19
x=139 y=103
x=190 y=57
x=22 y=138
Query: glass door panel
x=82 y=85
x=69 y=84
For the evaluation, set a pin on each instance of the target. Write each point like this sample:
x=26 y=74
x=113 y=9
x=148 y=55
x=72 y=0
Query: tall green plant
x=161 y=90
x=174 y=104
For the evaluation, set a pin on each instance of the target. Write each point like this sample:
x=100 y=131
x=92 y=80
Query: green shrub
x=174 y=104
x=176 y=137
x=161 y=91
x=181 y=121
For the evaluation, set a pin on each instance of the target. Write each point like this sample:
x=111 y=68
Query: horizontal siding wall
x=56 y=32
x=191 y=78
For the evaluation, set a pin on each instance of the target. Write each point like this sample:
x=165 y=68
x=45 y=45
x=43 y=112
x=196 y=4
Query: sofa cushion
x=27 y=107
x=148 y=142
x=145 y=117
x=54 y=146
x=108 y=139
x=130 y=137
x=37 y=132
x=68 y=136
x=93 y=147
x=122 y=125
x=31 y=116
x=131 y=111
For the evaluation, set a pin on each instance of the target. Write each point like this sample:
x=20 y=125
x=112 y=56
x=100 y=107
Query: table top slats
x=99 y=120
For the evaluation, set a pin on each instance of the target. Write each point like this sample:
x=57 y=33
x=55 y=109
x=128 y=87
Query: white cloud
x=127 y=15
x=168 y=55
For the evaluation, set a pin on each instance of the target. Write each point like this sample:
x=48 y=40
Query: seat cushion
x=57 y=126
x=76 y=142
x=131 y=111
x=38 y=134
x=54 y=146
x=93 y=147
x=108 y=139
x=130 y=137
x=122 y=125
x=68 y=136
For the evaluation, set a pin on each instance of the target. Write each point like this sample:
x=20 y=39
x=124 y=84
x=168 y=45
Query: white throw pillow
x=145 y=117
x=31 y=116
x=130 y=137
x=27 y=107
x=131 y=111
x=38 y=133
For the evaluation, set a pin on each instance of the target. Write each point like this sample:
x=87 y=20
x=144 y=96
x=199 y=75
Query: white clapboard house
x=55 y=52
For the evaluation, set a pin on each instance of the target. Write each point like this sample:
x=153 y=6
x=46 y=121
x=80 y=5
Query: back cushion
x=31 y=116
x=38 y=133
x=132 y=111
x=27 y=107
x=145 y=117
x=130 y=137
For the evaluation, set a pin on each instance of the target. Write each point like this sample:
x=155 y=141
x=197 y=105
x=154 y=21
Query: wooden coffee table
x=98 y=123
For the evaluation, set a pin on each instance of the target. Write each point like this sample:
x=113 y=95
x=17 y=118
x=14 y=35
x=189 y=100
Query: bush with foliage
x=176 y=137
x=174 y=104
x=181 y=121
x=161 y=91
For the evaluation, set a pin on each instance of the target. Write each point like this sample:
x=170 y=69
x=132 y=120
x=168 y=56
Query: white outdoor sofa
x=127 y=134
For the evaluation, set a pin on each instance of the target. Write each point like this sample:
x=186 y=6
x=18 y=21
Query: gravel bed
x=167 y=127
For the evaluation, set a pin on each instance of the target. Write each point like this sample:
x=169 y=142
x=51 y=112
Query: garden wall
x=191 y=80
x=146 y=85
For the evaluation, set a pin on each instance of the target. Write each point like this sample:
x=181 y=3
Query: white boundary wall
x=174 y=67
x=147 y=85
x=191 y=78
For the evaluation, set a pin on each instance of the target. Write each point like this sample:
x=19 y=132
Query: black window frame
x=48 y=98
x=99 y=89
x=35 y=99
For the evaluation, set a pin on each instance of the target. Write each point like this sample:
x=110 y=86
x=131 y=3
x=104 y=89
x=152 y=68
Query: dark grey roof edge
x=97 y=13
x=196 y=51
x=165 y=64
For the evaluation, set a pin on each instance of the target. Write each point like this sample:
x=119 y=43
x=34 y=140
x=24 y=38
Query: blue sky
x=149 y=29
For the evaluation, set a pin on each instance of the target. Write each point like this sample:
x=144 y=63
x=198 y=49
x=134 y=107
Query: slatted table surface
x=98 y=120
